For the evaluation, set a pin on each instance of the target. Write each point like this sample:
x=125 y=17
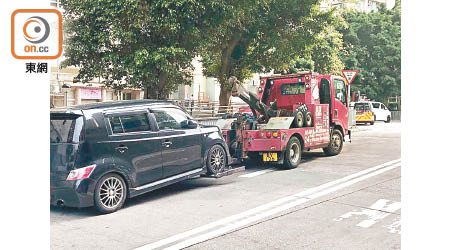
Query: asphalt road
x=350 y=201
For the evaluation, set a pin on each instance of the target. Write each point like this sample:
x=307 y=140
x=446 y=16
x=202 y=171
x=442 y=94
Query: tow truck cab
x=318 y=89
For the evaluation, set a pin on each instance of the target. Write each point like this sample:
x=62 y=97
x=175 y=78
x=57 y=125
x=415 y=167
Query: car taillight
x=275 y=134
x=81 y=173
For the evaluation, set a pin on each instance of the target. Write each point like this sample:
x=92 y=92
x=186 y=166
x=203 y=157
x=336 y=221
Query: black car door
x=135 y=145
x=181 y=145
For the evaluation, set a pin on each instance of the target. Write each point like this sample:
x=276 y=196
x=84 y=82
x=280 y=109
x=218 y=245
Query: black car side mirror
x=189 y=124
x=192 y=124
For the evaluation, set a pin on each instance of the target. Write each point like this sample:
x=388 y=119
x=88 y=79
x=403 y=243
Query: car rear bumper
x=72 y=193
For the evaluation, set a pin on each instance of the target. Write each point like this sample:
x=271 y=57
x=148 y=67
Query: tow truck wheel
x=216 y=160
x=298 y=118
x=308 y=119
x=336 y=143
x=293 y=153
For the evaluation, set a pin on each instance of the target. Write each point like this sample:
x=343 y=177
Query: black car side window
x=171 y=118
x=129 y=123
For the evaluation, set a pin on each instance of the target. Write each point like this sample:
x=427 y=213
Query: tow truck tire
x=371 y=123
x=298 y=118
x=292 y=154
x=216 y=160
x=388 y=119
x=336 y=143
x=308 y=119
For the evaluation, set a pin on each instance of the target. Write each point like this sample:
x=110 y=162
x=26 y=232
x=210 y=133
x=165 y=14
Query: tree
x=136 y=43
x=372 y=44
x=261 y=35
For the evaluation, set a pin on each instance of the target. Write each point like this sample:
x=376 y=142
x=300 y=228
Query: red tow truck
x=290 y=114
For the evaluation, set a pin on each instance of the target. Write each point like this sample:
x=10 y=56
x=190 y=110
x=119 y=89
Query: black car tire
x=110 y=193
x=298 y=118
x=308 y=119
x=336 y=143
x=292 y=154
x=216 y=160
x=388 y=119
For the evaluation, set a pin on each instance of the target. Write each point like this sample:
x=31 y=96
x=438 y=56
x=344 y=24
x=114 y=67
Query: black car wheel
x=336 y=144
x=293 y=153
x=110 y=193
x=216 y=160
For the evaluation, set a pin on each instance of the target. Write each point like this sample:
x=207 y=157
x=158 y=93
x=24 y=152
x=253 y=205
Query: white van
x=382 y=113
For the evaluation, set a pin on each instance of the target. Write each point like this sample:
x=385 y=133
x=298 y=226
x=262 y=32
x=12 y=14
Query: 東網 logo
x=36 y=34
x=39 y=26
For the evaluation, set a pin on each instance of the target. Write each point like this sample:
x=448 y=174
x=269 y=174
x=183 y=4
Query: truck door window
x=340 y=91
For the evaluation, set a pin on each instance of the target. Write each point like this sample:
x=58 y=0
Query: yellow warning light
x=275 y=134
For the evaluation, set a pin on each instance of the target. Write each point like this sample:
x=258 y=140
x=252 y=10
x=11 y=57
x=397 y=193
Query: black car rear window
x=62 y=129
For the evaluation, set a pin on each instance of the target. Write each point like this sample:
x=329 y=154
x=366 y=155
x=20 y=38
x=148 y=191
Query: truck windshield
x=64 y=129
x=293 y=88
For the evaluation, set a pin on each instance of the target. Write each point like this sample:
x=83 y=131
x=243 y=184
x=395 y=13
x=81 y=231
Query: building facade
x=65 y=92
x=359 y=5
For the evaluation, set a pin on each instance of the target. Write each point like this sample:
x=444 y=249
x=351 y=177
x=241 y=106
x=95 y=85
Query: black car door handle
x=166 y=144
x=122 y=148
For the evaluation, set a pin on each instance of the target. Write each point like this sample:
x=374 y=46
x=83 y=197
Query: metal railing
x=208 y=109
x=396 y=115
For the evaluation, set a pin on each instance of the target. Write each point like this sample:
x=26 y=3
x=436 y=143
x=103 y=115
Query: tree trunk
x=224 y=99
x=162 y=80
x=156 y=91
x=225 y=68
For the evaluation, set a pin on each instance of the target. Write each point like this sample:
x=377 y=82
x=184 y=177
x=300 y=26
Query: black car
x=103 y=153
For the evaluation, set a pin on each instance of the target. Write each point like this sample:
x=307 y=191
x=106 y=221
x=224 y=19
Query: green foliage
x=136 y=43
x=261 y=35
x=372 y=44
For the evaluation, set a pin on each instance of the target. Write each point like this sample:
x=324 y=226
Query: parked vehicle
x=376 y=111
x=364 y=113
x=289 y=114
x=103 y=153
x=381 y=112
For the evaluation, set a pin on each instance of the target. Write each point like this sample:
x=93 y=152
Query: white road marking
x=395 y=227
x=250 y=175
x=377 y=211
x=238 y=220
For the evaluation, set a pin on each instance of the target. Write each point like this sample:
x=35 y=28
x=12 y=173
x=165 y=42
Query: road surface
x=350 y=201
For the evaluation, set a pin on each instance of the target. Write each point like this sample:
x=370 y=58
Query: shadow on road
x=306 y=157
x=184 y=186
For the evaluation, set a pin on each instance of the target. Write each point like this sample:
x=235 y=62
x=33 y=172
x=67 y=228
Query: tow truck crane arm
x=252 y=100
